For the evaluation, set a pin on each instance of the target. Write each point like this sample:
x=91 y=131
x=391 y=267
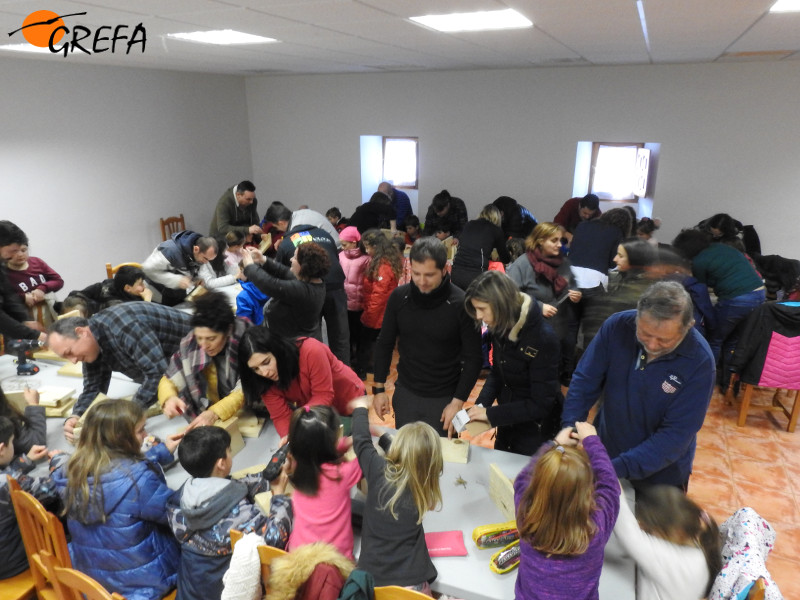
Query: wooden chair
x=395 y=592
x=70 y=584
x=41 y=532
x=19 y=587
x=111 y=271
x=265 y=554
x=171 y=225
x=758 y=591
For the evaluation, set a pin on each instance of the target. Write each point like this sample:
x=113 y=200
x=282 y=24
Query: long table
x=466 y=502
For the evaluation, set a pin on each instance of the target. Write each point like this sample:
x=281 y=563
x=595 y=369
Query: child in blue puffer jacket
x=115 y=499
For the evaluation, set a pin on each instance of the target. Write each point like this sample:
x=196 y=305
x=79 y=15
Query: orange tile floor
x=757 y=465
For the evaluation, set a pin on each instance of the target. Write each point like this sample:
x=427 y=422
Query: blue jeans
x=730 y=313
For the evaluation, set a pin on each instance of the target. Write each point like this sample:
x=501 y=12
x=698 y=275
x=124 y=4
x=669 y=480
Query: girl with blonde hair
x=567 y=501
x=115 y=500
x=401 y=487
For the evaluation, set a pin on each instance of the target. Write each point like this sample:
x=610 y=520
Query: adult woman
x=297 y=293
x=524 y=376
x=202 y=379
x=737 y=285
x=286 y=374
x=475 y=246
x=545 y=274
x=633 y=259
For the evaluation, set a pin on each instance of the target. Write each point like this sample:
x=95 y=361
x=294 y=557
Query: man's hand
x=31 y=396
x=185 y=283
x=255 y=230
x=173 y=407
x=575 y=295
x=548 y=310
x=449 y=412
x=69 y=428
x=381 y=404
x=37 y=453
x=205 y=419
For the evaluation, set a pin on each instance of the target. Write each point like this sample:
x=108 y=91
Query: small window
x=401 y=161
x=615 y=173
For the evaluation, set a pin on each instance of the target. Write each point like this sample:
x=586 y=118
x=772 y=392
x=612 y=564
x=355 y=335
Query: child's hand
x=565 y=438
x=37 y=453
x=585 y=430
x=31 y=396
x=360 y=402
x=172 y=441
x=278 y=485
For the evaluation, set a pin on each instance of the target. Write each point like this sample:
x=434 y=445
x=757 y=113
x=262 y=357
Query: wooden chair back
x=265 y=555
x=171 y=225
x=395 y=592
x=111 y=271
x=41 y=532
x=70 y=584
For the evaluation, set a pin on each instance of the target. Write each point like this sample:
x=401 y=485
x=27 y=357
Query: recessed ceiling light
x=223 y=37
x=786 y=6
x=485 y=20
x=26 y=48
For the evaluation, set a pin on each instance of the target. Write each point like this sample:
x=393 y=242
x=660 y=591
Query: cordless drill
x=275 y=464
x=20 y=347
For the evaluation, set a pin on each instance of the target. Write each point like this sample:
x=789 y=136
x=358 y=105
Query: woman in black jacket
x=475 y=246
x=524 y=376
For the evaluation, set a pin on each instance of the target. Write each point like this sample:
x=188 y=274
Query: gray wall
x=92 y=156
x=729 y=134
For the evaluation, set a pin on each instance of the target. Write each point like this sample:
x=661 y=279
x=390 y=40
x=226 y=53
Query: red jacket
x=323 y=380
x=376 y=295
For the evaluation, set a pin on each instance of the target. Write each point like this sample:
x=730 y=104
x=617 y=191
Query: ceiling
x=367 y=36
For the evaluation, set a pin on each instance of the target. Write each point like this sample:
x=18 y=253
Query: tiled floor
x=757 y=465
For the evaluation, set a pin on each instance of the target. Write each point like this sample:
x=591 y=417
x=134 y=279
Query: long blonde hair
x=108 y=434
x=414 y=463
x=555 y=512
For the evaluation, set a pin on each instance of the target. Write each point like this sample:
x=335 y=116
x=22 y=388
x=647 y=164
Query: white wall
x=92 y=156
x=729 y=134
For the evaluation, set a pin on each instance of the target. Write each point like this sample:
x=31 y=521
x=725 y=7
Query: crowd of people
x=554 y=315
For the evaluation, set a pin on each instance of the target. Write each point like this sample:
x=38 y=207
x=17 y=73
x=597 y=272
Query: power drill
x=20 y=347
x=275 y=464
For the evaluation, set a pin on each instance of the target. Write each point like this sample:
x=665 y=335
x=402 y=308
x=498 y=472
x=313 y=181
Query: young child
x=413 y=232
x=322 y=480
x=127 y=286
x=354 y=264
x=401 y=488
x=114 y=499
x=334 y=216
x=14 y=559
x=675 y=544
x=34 y=281
x=567 y=501
x=209 y=505
x=380 y=280
x=30 y=428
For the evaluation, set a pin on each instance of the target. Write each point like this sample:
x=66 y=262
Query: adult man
x=375 y=214
x=134 y=338
x=400 y=202
x=237 y=210
x=14 y=320
x=575 y=210
x=334 y=310
x=656 y=375
x=439 y=345
x=173 y=265
x=284 y=219
x=446 y=216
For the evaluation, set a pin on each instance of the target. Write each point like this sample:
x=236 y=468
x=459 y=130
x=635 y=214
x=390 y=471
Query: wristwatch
x=378 y=389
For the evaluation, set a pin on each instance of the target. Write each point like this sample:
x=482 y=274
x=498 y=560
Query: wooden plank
x=501 y=491
x=455 y=450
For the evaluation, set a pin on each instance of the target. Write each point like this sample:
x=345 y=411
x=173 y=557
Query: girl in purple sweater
x=567 y=501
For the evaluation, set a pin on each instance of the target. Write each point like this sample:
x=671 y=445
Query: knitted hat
x=350 y=234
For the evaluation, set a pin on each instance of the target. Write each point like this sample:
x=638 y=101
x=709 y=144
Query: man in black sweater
x=439 y=345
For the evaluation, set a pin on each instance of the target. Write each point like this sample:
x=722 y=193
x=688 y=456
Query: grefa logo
x=45 y=29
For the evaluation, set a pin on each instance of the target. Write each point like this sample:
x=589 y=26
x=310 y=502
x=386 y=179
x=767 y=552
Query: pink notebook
x=446 y=543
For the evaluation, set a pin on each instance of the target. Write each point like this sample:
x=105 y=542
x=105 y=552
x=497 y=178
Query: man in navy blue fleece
x=655 y=373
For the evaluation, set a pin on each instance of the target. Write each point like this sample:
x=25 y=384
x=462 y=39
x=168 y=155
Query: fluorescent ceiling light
x=223 y=37
x=475 y=21
x=26 y=48
x=786 y=6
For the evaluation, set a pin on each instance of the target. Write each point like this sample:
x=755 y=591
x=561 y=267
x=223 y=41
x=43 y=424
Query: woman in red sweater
x=381 y=277
x=286 y=374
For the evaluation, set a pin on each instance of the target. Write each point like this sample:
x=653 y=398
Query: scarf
x=186 y=367
x=547 y=267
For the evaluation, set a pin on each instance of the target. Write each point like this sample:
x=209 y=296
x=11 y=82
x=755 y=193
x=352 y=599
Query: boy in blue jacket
x=209 y=504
